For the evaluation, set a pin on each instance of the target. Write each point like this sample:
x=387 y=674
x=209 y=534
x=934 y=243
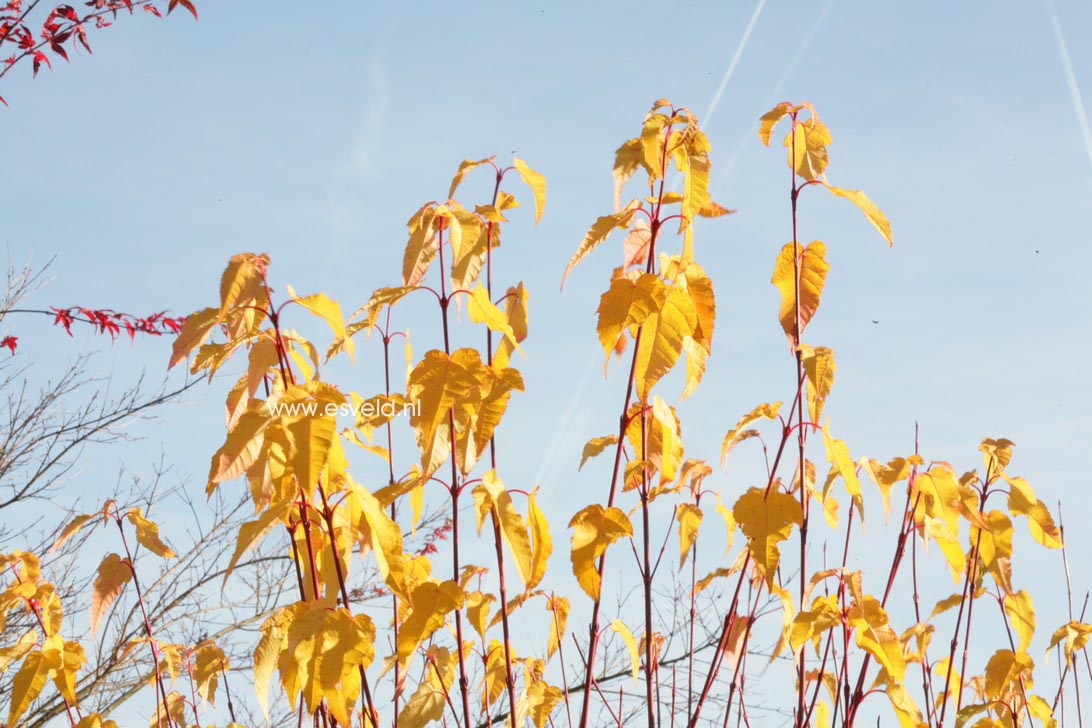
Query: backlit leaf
x=595 y=528
x=811 y=264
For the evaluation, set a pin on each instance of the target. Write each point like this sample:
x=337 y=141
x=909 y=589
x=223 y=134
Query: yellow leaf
x=626 y=305
x=631 y=645
x=541 y=701
x=435 y=385
x=70 y=658
x=428 y=702
x=430 y=604
x=13 y=652
x=543 y=542
x=384 y=537
x=810 y=625
x=766 y=520
x=769 y=120
x=1041 y=709
x=596 y=446
x=515 y=313
x=195 y=330
x=465 y=167
x=689 y=517
x=147 y=533
x=663 y=447
x=1005 y=671
x=729 y=522
x=1021 y=613
x=599 y=232
x=536 y=182
x=874 y=635
x=492 y=498
x=113 y=573
x=595 y=528
x=310 y=441
x=811 y=264
x=819 y=368
x=661 y=339
x=842 y=464
x=762 y=411
x=807 y=145
x=482 y=310
x=1022 y=502
x=559 y=609
x=29 y=681
x=242 y=280
x=885 y=476
x=209 y=662
x=627 y=158
x=868 y=207
x=422 y=246
x=1075 y=634
x=70 y=530
x=329 y=311
x=995 y=548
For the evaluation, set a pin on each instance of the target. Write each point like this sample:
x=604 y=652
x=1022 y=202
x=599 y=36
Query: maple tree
x=441 y=648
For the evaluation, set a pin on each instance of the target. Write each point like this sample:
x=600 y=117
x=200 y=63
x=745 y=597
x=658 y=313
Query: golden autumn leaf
x=329 y=311
x=536 y=182
x=599 y=232
x=1022 y=502
x=689 y=517
x=620 y=628
x=195 y=331
x=762 y=411
x=28 y=682
x=493 y=500
x=71 y=529
x=542 y=541
x=1073 y=636
x=147 y=533
x=1021 y=613
x=661 y=339
x=595 y=447
x=626 y=305
x=1006 y=671
x=819 y=369
x=427 y=703
x=841 y=464
x=873 y=213
x=559 y=609
x=656 y=437
x=766 y=521
x=515 y=313
x=811 y=265
x=465 y=168
x=208 y=664
x=769 y=120
x=595 y=528
x=430 y=604
x=874 y=634
x=113 y=574
x=807 y=144
x=436 y=384
x=484 y=311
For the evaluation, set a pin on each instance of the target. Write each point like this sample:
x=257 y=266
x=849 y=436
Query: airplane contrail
x=1071 y=81
x=733 y=63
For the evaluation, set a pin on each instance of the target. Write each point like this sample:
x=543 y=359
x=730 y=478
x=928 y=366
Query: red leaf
x=38 y=58
x=10 y=342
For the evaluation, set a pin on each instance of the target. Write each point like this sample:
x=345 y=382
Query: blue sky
x=312 y=131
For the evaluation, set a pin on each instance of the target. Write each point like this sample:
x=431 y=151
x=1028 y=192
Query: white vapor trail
x=1071 y=81
x=733 y=63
